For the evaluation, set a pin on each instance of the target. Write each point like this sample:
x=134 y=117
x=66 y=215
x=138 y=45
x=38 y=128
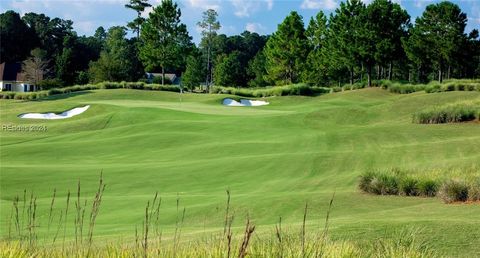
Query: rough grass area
x=289 y=245
x=408 y=183
x=301 y=89
x=407 y=88
x=456 y=113
x=287 y=90
x=103 y=85
x=273 y=159
x=306 y=240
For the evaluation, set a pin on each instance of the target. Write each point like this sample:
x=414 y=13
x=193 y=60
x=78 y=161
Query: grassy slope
x=273 y=158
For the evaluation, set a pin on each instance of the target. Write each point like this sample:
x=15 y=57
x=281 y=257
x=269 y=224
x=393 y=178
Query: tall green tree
x=257 y=71
x=229 y=70
x=345 y=36
x=437 y=36
x=100 y=34
x=388 y=33
x=209 y=25
x=50 y=32
x=166 y=43
x=193 y=75
x=16 y=38
x=65 y=65
x=286 y=51
x=315 y=71
x=138 y=6
x=116 y=60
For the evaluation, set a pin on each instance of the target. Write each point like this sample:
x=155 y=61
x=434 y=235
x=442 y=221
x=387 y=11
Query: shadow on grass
x=64 y=95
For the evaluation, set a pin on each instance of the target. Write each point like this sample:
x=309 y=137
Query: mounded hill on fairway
x=273 y=159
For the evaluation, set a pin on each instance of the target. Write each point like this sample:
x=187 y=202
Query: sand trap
x=66 y=114
x=244 y=103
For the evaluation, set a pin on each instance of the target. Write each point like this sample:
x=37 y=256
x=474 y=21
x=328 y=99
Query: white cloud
x=367 y=1
x=228 y=30
x=269 y=4
x=245 y=8
x=255 y=27
x=205 y=4
x=422 y=3
x=84 y=27
x=319 y=4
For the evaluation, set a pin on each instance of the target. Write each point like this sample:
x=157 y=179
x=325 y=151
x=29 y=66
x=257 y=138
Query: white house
x=12 y=78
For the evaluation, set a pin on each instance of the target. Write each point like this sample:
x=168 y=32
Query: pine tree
x=286 y=51
x=138 y=6
x=437 y=36
x=209 y=26
x=345 y=36
x=166 y=43
x=387 y=33
x=193 y=75
x=316 y=69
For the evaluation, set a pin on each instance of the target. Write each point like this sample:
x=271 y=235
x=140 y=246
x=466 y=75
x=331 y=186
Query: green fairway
x=272 y=158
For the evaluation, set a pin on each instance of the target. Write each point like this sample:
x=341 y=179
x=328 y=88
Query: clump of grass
x=448 y=114
x=102 y=85
x=396 y=182
x=427 y=187
x=454 y=85
x=287 y=90
x=285 y=243
x=409 y=186
x=379 y=183
x=454 y=191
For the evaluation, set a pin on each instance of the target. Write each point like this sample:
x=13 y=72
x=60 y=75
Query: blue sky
x=236 y=16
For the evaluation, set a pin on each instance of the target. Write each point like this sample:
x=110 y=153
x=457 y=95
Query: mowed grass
x=272 y=158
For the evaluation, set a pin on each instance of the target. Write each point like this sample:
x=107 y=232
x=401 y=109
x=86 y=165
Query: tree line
x=355 y=43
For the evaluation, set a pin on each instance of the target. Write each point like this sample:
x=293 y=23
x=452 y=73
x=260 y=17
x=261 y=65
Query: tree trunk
x=440 y=75
x=351 y=75
x=369 y=75
x=163 y=75
x=361 y=73
x=208 y=64
x=378 y=72
x=390 y=68
x=448 y=72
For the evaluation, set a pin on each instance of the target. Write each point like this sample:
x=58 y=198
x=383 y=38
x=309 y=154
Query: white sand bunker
x=244 y=103
x=65 y=114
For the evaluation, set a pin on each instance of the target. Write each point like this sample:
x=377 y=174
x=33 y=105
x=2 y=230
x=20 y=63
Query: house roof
x=11 y=72
x=170 y=76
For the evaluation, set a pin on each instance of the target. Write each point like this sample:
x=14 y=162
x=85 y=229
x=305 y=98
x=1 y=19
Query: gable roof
x=170 y=76
x=11 y=72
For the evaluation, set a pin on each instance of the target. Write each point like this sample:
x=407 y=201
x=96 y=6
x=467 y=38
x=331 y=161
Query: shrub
x=365 y=182
x=447 y=114
x=427 y=188
x=474 y=190
x=50 y=83
x=384 y=184
x=433 y=88
x=409 y=186
x=337 y=89
x=158 y=80
x=453 y=191
x=287 y=90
